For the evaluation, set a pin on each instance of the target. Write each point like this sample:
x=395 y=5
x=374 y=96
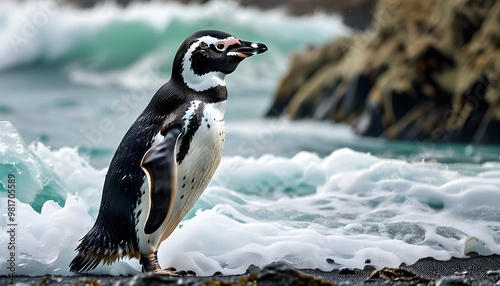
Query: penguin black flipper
x=159 y=164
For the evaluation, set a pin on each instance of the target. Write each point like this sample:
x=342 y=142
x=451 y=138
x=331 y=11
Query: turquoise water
x=303 y=192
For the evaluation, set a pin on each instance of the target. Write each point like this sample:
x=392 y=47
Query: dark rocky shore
x=480 y=270
x=425 y=70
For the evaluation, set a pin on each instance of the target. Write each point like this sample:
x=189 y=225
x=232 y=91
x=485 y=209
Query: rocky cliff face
x=425 y=70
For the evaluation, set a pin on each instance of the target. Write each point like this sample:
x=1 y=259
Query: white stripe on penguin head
x=210 y=79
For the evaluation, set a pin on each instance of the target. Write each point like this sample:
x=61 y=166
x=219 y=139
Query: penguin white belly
x=199 y=165
x=193 y=173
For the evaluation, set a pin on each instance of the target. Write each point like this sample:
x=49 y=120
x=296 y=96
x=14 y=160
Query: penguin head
x=206 y=57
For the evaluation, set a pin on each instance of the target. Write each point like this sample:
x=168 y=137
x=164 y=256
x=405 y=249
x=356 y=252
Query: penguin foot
x=150 y=264
x=167 y=271
x=171 y=271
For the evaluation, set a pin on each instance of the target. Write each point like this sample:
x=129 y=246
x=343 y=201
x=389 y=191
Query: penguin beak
x=247 y=49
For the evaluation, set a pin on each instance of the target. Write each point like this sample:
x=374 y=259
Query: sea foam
x=110 y=45
x=347 y=209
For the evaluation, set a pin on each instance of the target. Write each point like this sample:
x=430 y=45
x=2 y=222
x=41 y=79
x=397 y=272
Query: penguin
x=167 y=157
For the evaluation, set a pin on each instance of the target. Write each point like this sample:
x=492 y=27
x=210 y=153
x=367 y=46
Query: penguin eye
x=220 y=46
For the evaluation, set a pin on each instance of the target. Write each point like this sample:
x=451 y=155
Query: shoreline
x=479 y=270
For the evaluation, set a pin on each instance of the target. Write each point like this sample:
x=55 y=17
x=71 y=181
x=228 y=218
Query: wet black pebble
x=347 y=271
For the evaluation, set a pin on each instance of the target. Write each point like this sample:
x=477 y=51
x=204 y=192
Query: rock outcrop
x=425 y=70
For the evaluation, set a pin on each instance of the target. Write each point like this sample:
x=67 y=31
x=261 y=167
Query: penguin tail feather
x=96 y=247
x=84 y=263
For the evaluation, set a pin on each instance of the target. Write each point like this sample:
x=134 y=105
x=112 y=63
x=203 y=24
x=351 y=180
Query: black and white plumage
x=167 y=157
